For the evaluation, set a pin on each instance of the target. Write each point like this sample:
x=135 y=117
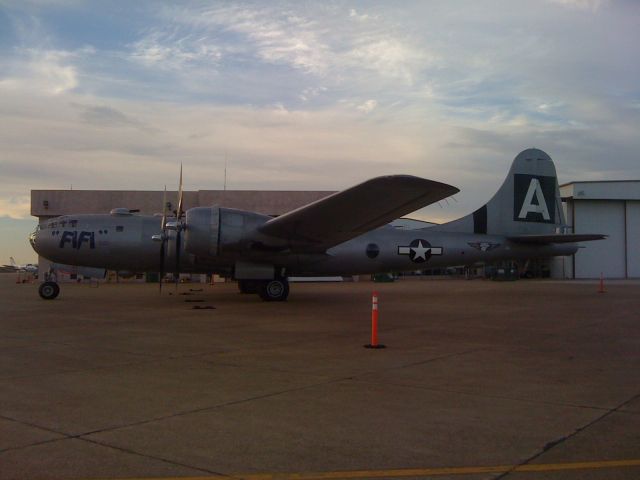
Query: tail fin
x=528 y=202
x=13 y=262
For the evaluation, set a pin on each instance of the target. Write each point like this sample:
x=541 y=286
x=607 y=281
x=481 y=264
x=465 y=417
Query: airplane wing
x=559 y=238
x=352 y=212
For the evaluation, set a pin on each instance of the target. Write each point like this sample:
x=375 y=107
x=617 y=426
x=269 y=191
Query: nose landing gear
x=49 y=290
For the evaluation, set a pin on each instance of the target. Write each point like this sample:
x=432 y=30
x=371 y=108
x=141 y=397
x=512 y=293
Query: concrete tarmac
x=479 y=380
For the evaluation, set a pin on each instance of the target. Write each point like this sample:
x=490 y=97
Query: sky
x=310 y=95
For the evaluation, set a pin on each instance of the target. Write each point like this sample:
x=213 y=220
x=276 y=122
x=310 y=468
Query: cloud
x=296 y=92
x=49 y=72
x=15 y=207
x=319 y=41
x=592 y=5
x=167 y=51
x=106 y=116
x=362 y=17
x=276 y=36
x=368 y=106
x=390 y=57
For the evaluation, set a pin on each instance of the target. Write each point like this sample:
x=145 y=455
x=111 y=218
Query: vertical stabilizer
x=13 y=262
x=528 y=202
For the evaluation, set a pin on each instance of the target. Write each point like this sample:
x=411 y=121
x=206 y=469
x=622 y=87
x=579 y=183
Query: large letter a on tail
x=533 y=206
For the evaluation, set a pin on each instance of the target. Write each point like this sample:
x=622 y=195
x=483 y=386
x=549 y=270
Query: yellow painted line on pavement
x=413 y=472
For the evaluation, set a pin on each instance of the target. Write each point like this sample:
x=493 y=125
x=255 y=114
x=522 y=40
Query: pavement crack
x=33 y=425
x=559 y=441
x=64 y=436
x=214 y=407
x=440 y=357
x=35 y=444
x=155 y=457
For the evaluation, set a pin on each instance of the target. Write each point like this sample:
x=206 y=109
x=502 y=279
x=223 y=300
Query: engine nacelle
x=212 y=231
x=202 y=235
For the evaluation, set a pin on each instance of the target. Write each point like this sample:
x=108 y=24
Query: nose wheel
x=49 y=290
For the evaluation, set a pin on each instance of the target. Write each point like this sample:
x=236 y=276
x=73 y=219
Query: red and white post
x=374 y=322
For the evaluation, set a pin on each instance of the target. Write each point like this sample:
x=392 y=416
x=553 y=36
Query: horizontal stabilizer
x=352 y=212
x=558 y=238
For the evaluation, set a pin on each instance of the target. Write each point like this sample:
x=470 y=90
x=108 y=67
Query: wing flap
x=558 y=238
x=352 y=212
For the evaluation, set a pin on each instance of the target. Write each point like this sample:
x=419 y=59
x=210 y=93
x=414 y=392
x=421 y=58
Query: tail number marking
x=532 y=197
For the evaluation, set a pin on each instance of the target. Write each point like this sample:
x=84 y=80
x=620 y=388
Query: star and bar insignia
x=419 y=250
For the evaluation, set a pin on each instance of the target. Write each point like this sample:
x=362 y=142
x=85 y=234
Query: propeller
x=166 y=226
x=179 y=227
x=163 y=245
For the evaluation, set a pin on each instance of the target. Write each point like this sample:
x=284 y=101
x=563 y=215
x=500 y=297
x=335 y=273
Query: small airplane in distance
x=27 y=267
x=345 y=233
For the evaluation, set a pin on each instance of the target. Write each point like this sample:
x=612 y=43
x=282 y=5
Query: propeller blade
x=164 y=209
x=179 y=214
x=177 y=271
x=163 y=243
x=180 y=197
x=163 y=248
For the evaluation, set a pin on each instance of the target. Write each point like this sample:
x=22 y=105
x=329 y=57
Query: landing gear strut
x=49 y=290
x=276 y=290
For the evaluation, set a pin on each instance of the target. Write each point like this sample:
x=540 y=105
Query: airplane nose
x=33 y=239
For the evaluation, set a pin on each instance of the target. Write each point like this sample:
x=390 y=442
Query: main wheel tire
x=248 y=286
x=49 y=290
x=274 y=290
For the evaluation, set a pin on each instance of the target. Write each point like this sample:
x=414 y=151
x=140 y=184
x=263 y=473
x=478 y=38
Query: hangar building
x=611 y=208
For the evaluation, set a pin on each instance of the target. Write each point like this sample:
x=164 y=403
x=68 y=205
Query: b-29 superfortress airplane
x=343 y=234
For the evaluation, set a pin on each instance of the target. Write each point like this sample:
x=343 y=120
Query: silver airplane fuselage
x=125 y=242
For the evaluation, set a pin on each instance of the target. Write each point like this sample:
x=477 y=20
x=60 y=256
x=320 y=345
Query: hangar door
x=607 y=256
x=633 y=239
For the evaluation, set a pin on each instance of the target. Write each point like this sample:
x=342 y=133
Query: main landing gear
x=276 y=290
x=49 y=290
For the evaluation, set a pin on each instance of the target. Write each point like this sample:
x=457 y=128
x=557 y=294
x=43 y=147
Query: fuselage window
x=119 y=228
